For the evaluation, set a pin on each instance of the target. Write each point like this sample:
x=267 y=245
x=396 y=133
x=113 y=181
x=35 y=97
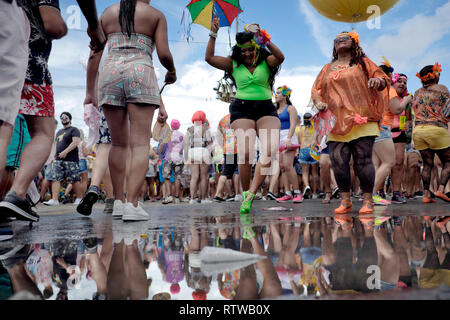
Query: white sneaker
x=51 y=202
x=132 y=213
x=170 y=199
x=77 y=201
x=118 y=209
x=206 y=201
x=192 y=201
x=238 y=198
x=177 y=200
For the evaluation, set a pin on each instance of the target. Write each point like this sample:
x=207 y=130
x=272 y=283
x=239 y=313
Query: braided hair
x=126 y=16
x=357 y=56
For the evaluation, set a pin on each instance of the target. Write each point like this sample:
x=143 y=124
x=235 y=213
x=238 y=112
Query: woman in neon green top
x=253 y=69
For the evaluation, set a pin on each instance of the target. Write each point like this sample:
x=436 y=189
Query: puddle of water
x=253 y=257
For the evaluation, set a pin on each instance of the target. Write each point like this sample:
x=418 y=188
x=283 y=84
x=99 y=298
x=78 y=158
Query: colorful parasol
x=203 y=11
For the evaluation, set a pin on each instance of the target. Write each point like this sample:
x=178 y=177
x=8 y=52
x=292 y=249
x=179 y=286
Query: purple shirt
x=174 y=150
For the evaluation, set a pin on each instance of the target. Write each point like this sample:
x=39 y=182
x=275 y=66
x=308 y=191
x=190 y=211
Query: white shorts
x=284 y=136
x=199 y=156
x=14 y=34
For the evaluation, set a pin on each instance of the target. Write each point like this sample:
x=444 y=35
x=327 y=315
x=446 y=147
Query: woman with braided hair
x=352 y=87
x=253 y=66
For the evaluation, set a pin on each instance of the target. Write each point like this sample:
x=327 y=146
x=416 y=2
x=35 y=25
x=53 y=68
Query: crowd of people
x=383 y=139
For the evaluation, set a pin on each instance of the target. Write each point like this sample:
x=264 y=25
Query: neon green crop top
x=252 y=86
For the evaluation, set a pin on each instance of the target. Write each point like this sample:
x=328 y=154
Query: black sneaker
x=271 y=196
x=307 y=193
x=229 y=199
x=89 y=199
x=335 y=193
x=18 y=207
x=6 y=234
x=91 y=245
x=218 y=199
x=10 y=256
x=398 y=198
x=418 y=194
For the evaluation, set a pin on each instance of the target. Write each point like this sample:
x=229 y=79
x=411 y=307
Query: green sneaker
x=246 y=206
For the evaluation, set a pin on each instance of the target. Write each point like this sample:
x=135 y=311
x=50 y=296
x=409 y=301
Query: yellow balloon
x=352 y=10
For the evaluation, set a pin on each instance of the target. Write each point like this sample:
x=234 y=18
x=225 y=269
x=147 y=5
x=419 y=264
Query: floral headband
x=285 y=91
x=397 y=77
x=437 y=69
x=354 y=35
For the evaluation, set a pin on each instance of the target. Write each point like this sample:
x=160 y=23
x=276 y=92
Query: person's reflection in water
x=229 y=238
x=413 y=228
x=266 y=285
x=171 y=259
x=39 y=267
x=436 y=269
x=388 y=260
x=13 y=260
x=127 y=278
x=96 y=269
x=66 y=272
x=195 y=279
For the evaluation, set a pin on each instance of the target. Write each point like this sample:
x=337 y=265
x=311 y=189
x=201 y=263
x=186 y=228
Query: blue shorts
x=305 y=157
x=83 y=165
x=160 y=173
x=385 y=134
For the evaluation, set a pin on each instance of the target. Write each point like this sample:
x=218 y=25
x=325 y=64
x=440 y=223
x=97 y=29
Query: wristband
x=213 y=34
x=173 y=72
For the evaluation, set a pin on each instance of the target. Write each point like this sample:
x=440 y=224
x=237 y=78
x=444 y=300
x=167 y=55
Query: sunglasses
x=247 y=50
x=343 y=38
x=64 y=118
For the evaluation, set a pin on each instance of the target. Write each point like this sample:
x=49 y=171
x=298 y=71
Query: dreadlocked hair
x=126 y=16
x=243 y=37
x=357 y=56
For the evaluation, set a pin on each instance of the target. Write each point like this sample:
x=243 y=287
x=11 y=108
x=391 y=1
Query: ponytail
x=126 y=16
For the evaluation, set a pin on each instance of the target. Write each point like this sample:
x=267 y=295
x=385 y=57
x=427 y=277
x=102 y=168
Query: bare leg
x=35 y=154
x=385 y=152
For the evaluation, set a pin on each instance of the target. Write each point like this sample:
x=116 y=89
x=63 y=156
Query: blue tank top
x=285 y=119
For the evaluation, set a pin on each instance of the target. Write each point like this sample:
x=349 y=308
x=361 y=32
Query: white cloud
x=413 y=39
x=318 y=28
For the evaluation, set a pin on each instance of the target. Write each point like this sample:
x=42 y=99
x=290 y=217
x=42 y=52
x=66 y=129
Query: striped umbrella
x=203 y=11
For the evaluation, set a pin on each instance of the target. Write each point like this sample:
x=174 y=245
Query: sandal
x=343 y=208
x=346 y=223
x=246 y=205
x=327 y=201
x=428 y=200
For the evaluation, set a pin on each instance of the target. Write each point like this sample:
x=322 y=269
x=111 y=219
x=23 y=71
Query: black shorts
x=252 y=109
x=231 y=163
x=402 y=138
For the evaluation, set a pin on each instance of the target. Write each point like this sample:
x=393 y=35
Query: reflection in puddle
x=313 y=257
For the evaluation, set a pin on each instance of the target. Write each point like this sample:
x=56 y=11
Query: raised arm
x=221 y=63
x=276 y=58
x=94 y=31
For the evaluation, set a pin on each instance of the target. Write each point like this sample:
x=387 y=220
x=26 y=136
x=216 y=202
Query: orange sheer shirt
x=388 y=118
x=346 y=93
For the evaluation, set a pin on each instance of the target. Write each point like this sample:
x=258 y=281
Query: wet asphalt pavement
x=298 y=241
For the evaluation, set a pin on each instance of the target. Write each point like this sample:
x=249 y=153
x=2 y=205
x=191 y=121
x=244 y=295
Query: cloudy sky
x=413 y=34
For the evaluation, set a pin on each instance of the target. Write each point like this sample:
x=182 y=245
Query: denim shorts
x=83 y=165
x=66 y=169
x=385 y=134
x=305 y=157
